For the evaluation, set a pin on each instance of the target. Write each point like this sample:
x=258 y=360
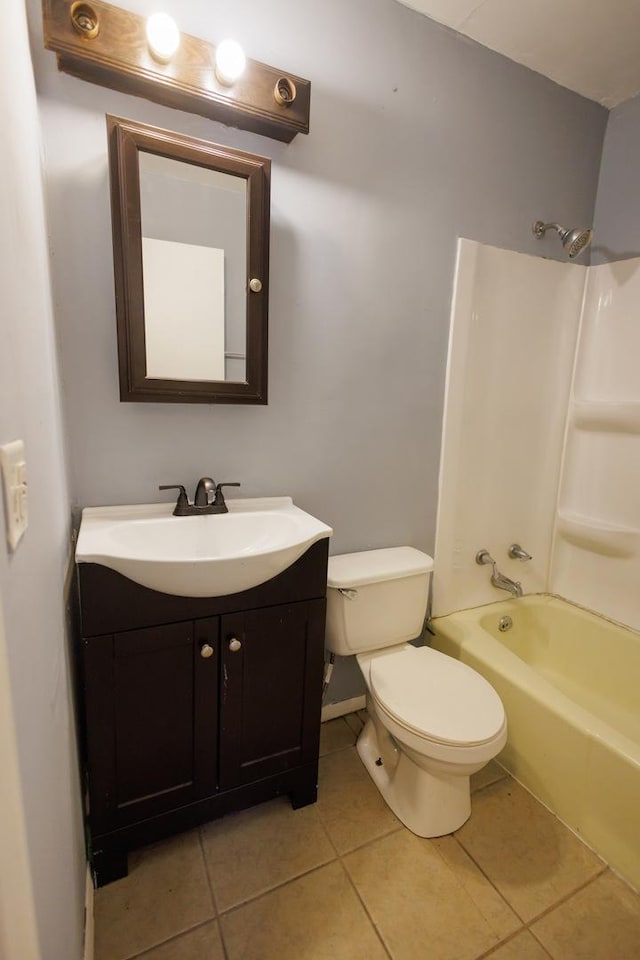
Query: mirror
x=191 y=257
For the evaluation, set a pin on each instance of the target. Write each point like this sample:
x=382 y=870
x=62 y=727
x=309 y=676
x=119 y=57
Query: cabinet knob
x=206 y=651
x=234 y=644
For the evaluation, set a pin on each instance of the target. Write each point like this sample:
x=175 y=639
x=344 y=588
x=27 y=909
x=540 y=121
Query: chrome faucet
x=498 y=579
x=202 y=503
x=516 y=552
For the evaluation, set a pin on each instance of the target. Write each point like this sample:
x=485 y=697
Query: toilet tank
x=376 y=598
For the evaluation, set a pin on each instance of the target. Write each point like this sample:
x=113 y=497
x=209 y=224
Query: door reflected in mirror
x=194 y=264
x=191 y=245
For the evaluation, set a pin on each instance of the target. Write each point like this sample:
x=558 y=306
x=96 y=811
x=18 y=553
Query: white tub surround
x=514 y=326
x=596 y=550
x=541 y=432
x=573 y=713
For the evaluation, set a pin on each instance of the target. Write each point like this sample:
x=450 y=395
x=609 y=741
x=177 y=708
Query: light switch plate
x=14 y=475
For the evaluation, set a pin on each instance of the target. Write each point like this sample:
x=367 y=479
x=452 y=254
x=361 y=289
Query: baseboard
x=332 y=710
x=88 y=917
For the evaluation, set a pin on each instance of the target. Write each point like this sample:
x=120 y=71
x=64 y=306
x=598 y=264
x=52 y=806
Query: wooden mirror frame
x=126 y=139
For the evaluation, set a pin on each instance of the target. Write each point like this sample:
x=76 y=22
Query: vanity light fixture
x=117 y=48
x=84 y=20
x=163 y=36
x=230 y=62
x=284 y=91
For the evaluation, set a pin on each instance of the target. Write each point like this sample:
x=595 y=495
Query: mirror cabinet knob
x=255 y=285
x=234 y=644
x=206 y=650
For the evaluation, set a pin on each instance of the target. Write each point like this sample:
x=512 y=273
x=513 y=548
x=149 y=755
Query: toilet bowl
x=432 y=720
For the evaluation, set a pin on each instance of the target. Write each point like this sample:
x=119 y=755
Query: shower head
x=574 y=240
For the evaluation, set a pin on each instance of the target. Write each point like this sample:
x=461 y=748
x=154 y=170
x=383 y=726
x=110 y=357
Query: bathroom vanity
x=196 y=706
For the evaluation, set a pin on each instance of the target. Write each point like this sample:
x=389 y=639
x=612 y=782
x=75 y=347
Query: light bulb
x=230 y=62
x=163 y=36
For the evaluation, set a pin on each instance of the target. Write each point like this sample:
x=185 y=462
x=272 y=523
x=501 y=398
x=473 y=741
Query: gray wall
x=417 y=136
x=617 y=219
x=32 y=579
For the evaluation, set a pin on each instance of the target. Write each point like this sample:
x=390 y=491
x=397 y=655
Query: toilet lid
x=436 y=697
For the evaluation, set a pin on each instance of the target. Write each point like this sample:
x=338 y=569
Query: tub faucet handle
x=517 y=553
x=483 y=556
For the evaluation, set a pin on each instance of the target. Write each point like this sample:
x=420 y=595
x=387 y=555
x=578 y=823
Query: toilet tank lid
x=351 y=570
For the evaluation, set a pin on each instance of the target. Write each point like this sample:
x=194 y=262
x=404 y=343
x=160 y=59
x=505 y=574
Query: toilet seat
x=436 y=698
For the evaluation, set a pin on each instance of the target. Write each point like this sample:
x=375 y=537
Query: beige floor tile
x=601 y=922
x=317 y=917
x=335 y=735
x=253 y=851
x=203 y=943
x=356 y=722
x=488 y=775
x=165 y=893
x=522 y=947
x=496 y=911
x=349 y=804
x=530 y=856
x=425 y=904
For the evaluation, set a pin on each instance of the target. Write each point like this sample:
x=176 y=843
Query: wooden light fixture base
x=116 y=55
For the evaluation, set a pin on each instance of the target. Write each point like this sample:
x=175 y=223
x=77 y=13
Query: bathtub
x=570 y=684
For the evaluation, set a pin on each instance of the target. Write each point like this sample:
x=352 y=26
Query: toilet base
x=429 y=804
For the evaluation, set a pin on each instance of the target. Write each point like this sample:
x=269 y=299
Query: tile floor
x=344 y=880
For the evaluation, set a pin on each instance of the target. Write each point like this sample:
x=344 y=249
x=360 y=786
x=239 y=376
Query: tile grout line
x=491 y=783
x=512 y=936
x=367 y=843
x=206 y=872
x=330 y=753
x=565 y=898
x=377 y=932
x=212 y=893
x=277 y=886
x=539 y=943
x=523 y=922
x=527 y=923
x=171 y=939
x=555 y=906
x=500 y=940
x=327 y=834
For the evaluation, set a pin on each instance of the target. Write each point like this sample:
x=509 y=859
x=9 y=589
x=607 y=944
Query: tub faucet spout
x=499 y=579
x=506 y=583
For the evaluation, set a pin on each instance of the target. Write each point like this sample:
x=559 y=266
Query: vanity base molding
x=196 y=707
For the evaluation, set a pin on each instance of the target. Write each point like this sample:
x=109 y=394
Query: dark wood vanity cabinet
x=196 y=707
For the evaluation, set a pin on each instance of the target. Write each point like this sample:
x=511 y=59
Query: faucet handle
x=219 y=500
x=517 y=553
x=483 y=556
x=183 y=500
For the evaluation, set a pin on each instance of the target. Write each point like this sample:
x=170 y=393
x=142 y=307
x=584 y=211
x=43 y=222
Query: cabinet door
x=152 y=704
x=271 y=689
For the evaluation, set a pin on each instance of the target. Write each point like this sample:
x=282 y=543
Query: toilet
x=432 y=720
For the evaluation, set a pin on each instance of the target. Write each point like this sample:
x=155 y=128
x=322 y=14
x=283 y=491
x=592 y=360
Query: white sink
x=206 y=556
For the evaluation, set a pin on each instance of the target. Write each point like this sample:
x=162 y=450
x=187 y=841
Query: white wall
x=32 y=579
x=596 y=560
x=18 y=926
x=512 y=345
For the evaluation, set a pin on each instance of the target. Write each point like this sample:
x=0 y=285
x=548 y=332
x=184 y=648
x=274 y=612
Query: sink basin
x=206 y=556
